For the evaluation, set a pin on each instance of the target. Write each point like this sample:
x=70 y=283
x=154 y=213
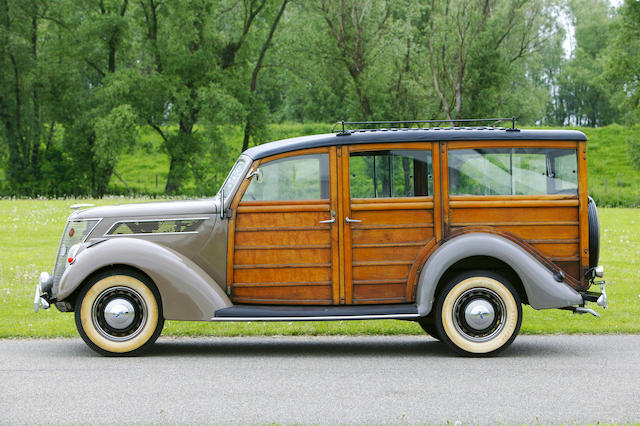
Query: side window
x=513 y=171
x=305 y=177
x=400 y=173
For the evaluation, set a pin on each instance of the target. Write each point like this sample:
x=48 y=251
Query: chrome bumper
x=43 y=289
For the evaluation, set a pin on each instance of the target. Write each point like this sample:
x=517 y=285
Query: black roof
x=353 y=137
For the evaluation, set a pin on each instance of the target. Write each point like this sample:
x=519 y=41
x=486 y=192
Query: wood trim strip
x=514 y=203
x=284 y=284
x=556 y=241
x=283 y=301
x=376 y=245
x=565 y=259
x=565 y=223
x=379 y=299
x=416 y=268
x=282 y=265
x=285 y=247
x=583 y=213
x=392 y=206
x=379 y=282
x=393 y=226
x=285 y=208
x=381 y=262
x=393 y=200
x=286 y=228
x=248 y=203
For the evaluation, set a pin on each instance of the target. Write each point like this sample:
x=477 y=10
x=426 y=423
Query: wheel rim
x=119 y=313
x=479 y=314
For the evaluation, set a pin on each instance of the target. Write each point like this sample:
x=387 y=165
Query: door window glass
x=513 y=171
x=400 y=173
x=305 y=177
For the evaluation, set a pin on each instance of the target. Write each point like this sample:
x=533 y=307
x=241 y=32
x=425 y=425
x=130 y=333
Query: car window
x=398 y=173
x=305 y=177
x=513 y=171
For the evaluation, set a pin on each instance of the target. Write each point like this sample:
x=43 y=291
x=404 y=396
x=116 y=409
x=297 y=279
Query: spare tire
x=594 y=233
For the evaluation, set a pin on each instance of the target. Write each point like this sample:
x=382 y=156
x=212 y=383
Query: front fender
x=543 y=291
x=187 y=292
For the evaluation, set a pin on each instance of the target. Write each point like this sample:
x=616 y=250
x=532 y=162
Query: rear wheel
x=478 y=314
x=119 y=313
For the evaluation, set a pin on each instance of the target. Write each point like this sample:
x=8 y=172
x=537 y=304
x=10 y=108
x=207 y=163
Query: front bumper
x=42 y=298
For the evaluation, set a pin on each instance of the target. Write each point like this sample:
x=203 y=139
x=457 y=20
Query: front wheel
x=119 y=313
x=478 y=314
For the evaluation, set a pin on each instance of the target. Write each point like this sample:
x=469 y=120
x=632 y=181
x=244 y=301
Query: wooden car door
x=283 y=238
x=388 y=218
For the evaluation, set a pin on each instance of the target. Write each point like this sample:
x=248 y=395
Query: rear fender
x=543 y=291
x=187 y=292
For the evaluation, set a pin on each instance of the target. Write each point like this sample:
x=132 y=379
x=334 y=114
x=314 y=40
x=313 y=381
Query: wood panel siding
x=549 y=224
x=385 y=246
x=282 y=254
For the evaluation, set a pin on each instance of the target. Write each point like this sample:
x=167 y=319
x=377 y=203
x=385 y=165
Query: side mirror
x=255 y=172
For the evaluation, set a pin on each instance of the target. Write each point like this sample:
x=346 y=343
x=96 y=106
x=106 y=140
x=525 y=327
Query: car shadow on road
x=340 y=347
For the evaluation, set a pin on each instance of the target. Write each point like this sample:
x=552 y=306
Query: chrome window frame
x=118 y=223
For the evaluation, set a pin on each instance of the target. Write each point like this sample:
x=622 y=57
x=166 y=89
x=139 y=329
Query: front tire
x=478 y=314
x=119 y=313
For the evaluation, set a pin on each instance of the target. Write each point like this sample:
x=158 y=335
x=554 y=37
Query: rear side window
x=513 y=171
x=399 y=173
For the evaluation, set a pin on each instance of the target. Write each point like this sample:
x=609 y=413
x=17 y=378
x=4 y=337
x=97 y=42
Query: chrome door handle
x=332 y=220
x=351 y=220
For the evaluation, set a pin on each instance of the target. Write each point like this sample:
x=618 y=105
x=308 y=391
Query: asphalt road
x=540 y=379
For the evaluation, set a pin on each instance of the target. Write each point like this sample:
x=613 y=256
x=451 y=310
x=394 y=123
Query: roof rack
x=459 y=120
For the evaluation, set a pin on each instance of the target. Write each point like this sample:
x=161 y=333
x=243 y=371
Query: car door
x=283 y=242
x=388 y=218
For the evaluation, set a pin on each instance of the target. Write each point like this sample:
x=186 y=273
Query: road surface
x=396 y=379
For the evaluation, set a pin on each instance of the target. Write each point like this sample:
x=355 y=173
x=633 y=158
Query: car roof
x=354 y=137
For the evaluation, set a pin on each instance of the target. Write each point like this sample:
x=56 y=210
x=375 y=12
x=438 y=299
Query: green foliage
x=33 y=229
x=79 y=78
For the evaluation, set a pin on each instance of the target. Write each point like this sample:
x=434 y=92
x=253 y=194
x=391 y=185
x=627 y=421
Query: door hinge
x=228 y=290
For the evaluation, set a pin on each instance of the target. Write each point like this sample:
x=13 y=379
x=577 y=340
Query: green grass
x=31 y=231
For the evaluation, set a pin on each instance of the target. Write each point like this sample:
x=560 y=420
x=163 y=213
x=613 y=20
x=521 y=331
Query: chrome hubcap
x=479 y=314
x=119 y=313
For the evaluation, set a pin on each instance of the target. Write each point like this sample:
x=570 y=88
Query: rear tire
x=119 y=313
x=478 y=313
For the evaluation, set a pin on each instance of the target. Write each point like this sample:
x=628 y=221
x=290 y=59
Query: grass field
x=30 y=232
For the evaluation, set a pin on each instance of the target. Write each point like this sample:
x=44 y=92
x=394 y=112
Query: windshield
x=235 y=175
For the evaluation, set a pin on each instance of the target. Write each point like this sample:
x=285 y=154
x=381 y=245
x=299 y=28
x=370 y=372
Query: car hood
x=155 y=209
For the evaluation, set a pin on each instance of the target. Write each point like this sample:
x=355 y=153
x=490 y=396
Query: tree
x=623 y=62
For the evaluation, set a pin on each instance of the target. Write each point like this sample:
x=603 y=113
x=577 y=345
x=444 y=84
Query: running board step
x=315 y=313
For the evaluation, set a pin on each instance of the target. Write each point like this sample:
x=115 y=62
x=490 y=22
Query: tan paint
x=187 y=291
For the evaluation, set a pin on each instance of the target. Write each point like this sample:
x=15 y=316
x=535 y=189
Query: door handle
x=351 y=220
x=332 y=220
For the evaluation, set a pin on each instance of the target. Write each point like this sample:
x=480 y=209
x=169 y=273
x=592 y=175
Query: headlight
x=75 y=233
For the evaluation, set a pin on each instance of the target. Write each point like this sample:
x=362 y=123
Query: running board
x=315 y=313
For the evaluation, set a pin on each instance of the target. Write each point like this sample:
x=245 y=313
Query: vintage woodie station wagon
x=452 y=227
